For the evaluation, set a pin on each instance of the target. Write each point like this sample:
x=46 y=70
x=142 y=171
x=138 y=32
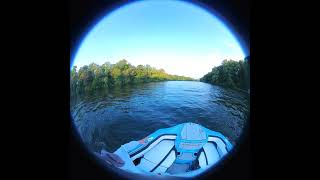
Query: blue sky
x=179 y=37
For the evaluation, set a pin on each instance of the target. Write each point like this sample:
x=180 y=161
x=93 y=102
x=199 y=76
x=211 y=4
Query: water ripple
x=110 y=118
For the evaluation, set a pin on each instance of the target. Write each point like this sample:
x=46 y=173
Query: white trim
x=221 y=145
x=152 y=145
x=202 y=160
x=212 y=153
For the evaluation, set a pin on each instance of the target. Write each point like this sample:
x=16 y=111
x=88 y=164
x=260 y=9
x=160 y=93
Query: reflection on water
x=110 y=118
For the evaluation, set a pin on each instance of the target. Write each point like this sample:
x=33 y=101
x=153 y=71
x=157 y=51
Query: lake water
x=109 y=118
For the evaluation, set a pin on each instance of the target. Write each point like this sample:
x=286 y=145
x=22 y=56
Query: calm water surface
x=110 y=118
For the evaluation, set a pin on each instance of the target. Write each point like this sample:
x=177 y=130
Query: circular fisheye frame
x=160 y=89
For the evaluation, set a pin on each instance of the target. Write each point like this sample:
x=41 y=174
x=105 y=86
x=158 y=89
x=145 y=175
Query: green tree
x=230 y=74
x=93 y=77
x=73 y=79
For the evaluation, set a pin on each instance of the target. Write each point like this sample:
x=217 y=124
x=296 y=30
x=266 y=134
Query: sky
x=179 y=37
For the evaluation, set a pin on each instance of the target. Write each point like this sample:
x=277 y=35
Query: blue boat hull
x=185 y=150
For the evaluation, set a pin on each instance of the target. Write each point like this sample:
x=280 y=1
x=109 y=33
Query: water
x=107 y=119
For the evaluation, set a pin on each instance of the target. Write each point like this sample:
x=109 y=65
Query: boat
x=184 y=150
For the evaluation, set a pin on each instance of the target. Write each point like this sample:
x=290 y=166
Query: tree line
x=230 y=74
x=93 y=76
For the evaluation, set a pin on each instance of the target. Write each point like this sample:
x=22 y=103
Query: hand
x=112 y=159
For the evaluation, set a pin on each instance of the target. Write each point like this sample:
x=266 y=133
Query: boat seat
x=178 y=168
x=159 y=158
x=209 y=155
